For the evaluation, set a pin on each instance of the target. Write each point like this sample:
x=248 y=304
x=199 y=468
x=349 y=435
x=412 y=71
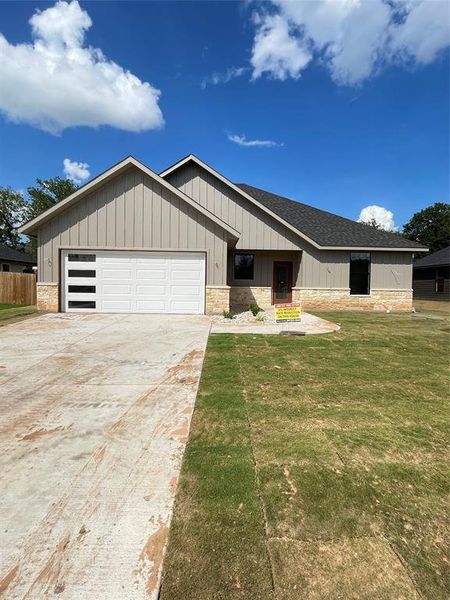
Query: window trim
x=8 y=269
x=369 y=274
x=234 y=266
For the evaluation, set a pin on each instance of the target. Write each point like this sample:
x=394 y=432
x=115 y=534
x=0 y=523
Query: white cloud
x=383 y=217
x=216 y=78
x=425 y=31
x=243 y=141
x=76 y=171
x=352 y=38
x=275 y=51
x=57 y=81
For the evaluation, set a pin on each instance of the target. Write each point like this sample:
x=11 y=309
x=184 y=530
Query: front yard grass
x=317 y=466
x=14 y=312
x=439 y=306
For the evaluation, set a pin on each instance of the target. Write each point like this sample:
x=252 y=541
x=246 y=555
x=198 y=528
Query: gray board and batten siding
x=132 y=211
x=259 y=231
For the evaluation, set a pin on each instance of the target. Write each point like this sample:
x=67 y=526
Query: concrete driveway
x=95 y=415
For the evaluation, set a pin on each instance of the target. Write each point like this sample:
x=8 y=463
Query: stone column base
x=341 y=299
x=47 y=297
x=246 y=295
x=217 y=299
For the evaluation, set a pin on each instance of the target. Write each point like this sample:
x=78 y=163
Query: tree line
x=17 y=208
x=430 y=226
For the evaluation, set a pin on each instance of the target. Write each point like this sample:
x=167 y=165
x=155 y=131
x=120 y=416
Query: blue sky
x=345 y=141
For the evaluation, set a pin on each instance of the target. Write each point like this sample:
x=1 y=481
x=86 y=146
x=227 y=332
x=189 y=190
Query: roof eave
x=374 y=248
x=18 y=260
x=198 y=161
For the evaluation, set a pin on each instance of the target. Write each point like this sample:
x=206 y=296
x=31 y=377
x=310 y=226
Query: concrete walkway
x=95 y=414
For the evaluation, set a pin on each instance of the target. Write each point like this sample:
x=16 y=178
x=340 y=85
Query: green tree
x=373 y=223
x=47 y=193
x=12 y=215
x=430 y=226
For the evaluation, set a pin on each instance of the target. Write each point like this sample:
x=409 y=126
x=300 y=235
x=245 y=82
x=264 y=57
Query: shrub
x=260 y=317
x=254 y=309
x=227 y=314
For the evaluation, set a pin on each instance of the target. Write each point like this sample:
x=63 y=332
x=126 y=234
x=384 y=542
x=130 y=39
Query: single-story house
x=431 y=276
x=14 y=261
x=188 y=240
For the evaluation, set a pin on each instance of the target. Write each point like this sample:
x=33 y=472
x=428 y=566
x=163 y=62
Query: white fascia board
x=373 y=249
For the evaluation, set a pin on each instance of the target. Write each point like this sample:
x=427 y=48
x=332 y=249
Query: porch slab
x=245 y=322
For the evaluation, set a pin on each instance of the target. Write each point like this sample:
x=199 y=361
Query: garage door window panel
x=82 y=289
x=78 y=273
x=81 y=257
x=82 y=304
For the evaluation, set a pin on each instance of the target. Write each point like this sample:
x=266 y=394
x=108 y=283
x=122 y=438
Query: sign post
x=288 y=313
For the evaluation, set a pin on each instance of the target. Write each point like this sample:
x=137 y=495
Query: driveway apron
x=95 y=415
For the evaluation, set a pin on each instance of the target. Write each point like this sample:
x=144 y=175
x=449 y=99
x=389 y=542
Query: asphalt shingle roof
x=15 y=255
x=441 y=258
x=325 y=228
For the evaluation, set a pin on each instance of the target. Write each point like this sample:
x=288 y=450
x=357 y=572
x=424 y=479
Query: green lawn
x=14 y=312
x=317 y=466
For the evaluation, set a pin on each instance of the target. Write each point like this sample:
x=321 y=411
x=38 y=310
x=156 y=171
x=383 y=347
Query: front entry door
x=282 y=282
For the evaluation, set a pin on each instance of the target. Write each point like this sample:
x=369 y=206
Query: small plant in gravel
x=227 y=314
x=260 y=317
x=255 y=309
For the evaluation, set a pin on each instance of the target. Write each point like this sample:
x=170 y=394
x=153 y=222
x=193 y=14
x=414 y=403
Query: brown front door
x=282 y=282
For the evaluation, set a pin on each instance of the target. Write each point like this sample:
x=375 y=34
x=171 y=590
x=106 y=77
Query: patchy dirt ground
x=95 y=414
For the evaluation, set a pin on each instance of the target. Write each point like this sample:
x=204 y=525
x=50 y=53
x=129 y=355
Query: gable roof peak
x=103 y=178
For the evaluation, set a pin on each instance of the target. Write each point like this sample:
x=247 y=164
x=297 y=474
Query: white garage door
x=134 y=282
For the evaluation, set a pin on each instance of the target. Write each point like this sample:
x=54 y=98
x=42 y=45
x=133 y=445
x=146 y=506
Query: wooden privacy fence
x=18 y=288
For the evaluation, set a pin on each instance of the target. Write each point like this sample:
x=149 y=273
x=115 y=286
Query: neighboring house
x=15 y=261
x=191 y=241
x=431 y=276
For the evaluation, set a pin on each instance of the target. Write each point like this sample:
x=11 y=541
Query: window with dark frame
x=441 y=274
x=244 y=266
x=439 y=285
x=5 y=268
x=360 y=273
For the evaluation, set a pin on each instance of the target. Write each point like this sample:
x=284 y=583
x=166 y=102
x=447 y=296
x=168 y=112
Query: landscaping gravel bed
x=244 y=322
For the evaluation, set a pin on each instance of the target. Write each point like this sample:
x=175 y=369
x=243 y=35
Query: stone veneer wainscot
x=341 y=299
x=47 y=297
x=217 y=299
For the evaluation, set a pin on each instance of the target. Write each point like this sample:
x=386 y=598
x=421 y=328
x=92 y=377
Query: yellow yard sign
x=285 y=313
